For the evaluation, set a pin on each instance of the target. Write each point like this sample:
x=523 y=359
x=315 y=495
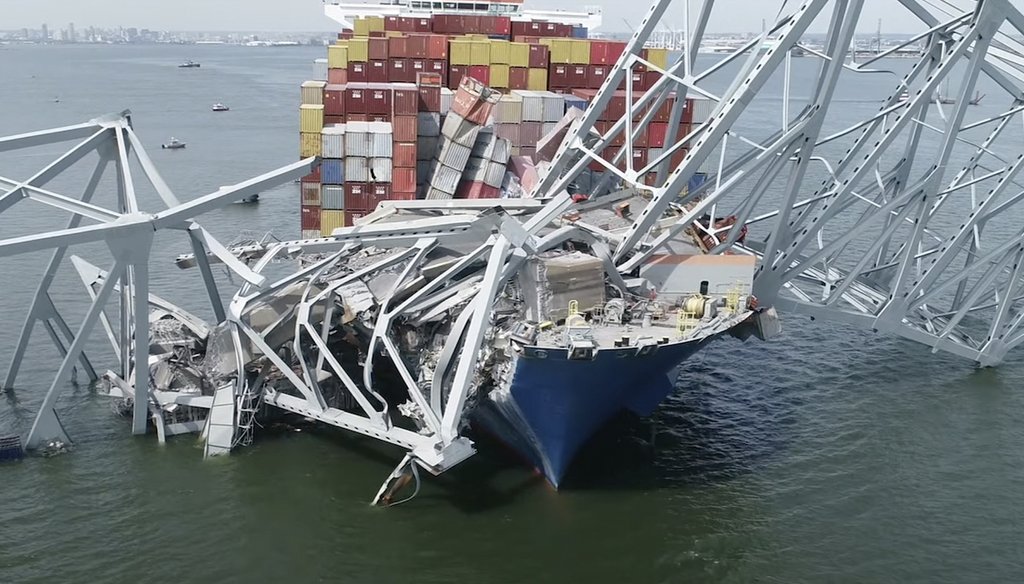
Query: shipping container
x=454 y=155
x=331 y=220
x=311 y=118
x=658 y=58
x=320 y=70
x=332 y=171
x=403 y=180
x=357 y=73
x=333 y=198
x=437 y=47
x=406 y=100
x=357 y=169
x=656 y=132
x=309 y=217
x=596 y=75
x=380 y=170
x=310 y=233
x=399 y=71
x=701 y=110
x=381 y=140
x=508 y=131
x=553 y=106
x=310 y=194
x=481 y=73
x=518 y=78
x=446 y=179
x=334 y=100
x=519 y=55
x=500 y=52
x=606 y=52
x=428 y=124
x=509 y=109
x=309 y=144
x=313 y=92
x=337 y=57
x=358 y=50
x=337 y=76
x=379 y=101
x=530 y=133
x=533 y=106
x=427 y=147
x=397 y=48
x=377 y=71
x=377 y=49
x=447 y=97
x=539 y=57
x=499 y=76
x=404 y=128
x=333 y=142
x=456 y=73
x=537 y=80
x=428 y=99
x=460 y=52
x=404 y=154
x=358 y=196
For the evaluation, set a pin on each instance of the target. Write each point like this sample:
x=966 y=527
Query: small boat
x=251 y=199
x=219 y=107
x=173 y=144
x=190 y=64
x=977 y=99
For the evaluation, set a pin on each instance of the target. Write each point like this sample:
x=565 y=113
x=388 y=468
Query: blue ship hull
x=552 y=405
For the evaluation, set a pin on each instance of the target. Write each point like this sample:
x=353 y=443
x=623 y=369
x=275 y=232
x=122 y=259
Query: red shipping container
x=439 y=68
x=404 y=128
x=355 y=100
x=578 y=75
x=518 y=78
x=379 y=101
x=334 y=100
x=476 y=190
x=357 y=72
x=397 y=196
x=678 y=156
x=403 y=180
x=397 y=48
x=406 y=101
x=329 y=120
x=664 y=113
x=404 y=155
x=420 y=25
x=357 y=196
x=596 y=74
x=639 y=158
x=379 y=192
x=455 y=75
x=345 y=35
x=337 y=76
x=539 y=57
x=640 y=138
x=434 y=77
x=429 y=99
x=351 y=117
x=391 y=23
x=378 y=49
x=416 y=46
x=530 y=133
x=471 y=24
x=310 y=217
x=481 y=73
x=377 y=72
x=606 y=52
x=558 y=78
x=437 y=47
x=398 y=70
x=502 y=25
x=352 y=216
x=417 y=66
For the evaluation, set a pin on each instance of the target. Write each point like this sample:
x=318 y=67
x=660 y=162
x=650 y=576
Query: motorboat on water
x=250 y=200
x=219 y=107
x=173 y=144
x=190 y=64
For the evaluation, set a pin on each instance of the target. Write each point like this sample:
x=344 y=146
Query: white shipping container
x=495 y=174
x=310 y=234
x=428 y=124
x=380 y=170
x=434 y=194
x=334 y=198
x=502 y=151
x=311 y=194
x=357 y=169
x=447 y=97
x=554 y=106
x=533 y=105
x=509 y=109
x=445 y=179
x=313 y=92
x=454 y=155
x=547 y=128
x=476 y=170
x=484 y=145
x=702 y=108
x=381 y=146
x=320 y=70
x=333 y=141
x=459 y=130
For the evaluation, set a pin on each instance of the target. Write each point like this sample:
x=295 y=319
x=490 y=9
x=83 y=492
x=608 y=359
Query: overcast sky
x=307 y=15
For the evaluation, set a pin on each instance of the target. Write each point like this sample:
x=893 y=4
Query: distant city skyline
x=307 y=15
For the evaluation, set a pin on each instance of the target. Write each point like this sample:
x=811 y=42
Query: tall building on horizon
x=45 y=33
x=71 y=33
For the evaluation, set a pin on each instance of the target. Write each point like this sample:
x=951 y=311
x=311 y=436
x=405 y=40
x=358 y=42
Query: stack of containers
x=508 y=115
x=531 y=127
x=485 y=170
x=311 y=121
x=471 y=109
x=320 y=70
x=428 y=124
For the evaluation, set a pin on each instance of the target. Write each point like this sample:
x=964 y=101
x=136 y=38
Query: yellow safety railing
x=686 y=321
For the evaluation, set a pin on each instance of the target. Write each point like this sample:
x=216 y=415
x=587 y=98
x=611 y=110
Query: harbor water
x=828 y=455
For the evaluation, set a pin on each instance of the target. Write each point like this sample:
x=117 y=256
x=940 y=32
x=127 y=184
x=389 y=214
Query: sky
x=307 y=15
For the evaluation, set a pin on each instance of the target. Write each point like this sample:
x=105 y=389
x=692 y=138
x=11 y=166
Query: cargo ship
x=437 y=101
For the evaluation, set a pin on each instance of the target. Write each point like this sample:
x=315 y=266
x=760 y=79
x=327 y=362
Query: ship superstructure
x=347 y=13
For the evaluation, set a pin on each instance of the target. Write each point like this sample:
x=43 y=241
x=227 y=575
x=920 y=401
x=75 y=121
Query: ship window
x=465 y=6
x=704 y=287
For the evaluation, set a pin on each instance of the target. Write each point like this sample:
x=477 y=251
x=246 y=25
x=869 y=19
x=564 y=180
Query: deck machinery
x=903 y=222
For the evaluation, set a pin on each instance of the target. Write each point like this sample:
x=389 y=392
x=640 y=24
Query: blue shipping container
x=696 y=181
x=571 y=101
x=332 y=171
x=579 y=32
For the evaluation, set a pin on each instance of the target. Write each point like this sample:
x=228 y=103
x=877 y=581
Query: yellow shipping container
x=309 y=144
x=580 y=52
x=313 y=92
x=460 y=52
x=359 y=50
x=376 y=23
x=337 y=56
x=561 y=50
x=311 y=118
x=331 y=220
x=361 y=27
x=519 y=54
x=658 y=57
x=480 y=52
x=499 y=76
x=499 y=52
x=537 y=80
